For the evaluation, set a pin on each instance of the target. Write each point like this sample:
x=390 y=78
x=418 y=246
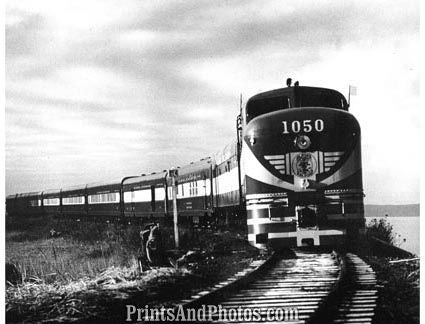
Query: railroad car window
x=159 y=193
x=73 y=200
x=128 y=197
x=195 y=190
x=110 y=197
x=51 y=202
x=142 y=195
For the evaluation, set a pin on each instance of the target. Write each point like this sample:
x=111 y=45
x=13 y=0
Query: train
x=292 y=176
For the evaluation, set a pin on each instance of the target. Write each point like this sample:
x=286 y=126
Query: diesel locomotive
x=293 y=176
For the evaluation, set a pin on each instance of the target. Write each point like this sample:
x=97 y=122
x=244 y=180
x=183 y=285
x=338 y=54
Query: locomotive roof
x=293 y=97
x=288 y=91
x=147 y=178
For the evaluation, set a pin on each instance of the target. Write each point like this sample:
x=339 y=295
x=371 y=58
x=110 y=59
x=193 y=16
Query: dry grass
x=82 y=298
x=91 y=272
x=64 y=259
x=83 y=250
x=68 y=277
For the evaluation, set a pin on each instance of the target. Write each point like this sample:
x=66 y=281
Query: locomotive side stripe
x=350 y=166
x=258 y=213
x=251 y=237
x=254 y=221
x=333 y=154
x=278 y=162
x=254 y=169
x=274 y=157
x=262 y=207
x=331 y=158
x=257 y=171
x=266 y=195
x=264 y=213
x=272 y=228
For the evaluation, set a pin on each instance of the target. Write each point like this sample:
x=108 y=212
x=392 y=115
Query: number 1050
x=306 y=126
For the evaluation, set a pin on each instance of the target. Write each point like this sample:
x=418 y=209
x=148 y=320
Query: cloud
x=99 y=89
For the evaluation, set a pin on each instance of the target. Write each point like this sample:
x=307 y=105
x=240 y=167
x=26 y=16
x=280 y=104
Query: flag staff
x=349 y=95
x=352 y=90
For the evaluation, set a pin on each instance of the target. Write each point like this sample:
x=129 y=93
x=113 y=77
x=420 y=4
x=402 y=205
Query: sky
x=98 y=90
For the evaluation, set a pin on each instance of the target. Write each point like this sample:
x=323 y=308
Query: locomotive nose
x=305 y=129
x=303 y=142
x=298 y=164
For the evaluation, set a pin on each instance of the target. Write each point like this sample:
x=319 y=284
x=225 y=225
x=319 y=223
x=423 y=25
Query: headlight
x=303 y=142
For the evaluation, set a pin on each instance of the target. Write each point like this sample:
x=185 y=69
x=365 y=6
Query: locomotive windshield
x=294 y=97
x=317 y=97
x=266 y=105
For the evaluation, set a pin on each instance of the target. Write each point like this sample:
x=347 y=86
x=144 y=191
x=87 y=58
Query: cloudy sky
x=97 y=90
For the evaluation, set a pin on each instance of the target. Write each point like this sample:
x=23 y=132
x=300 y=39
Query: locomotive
x=293 y=176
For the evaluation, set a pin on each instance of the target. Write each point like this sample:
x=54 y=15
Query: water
x=406 y=230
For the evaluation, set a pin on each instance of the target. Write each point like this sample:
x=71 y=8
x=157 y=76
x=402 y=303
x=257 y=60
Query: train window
x=159 y=193
x=208 y=187
x=194 y=188
x=51 y=202
x=318 y=97
x=110 y=197
x=180 y=190
x=73 y=200
x=144 y=195
x=266 y=105
x=128 y=196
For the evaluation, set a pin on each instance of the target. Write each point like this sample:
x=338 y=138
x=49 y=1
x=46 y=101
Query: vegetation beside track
x=90 y=271
x=397 y=274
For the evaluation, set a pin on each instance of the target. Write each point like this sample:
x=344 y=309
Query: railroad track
x=310 y=286
x=358 y=295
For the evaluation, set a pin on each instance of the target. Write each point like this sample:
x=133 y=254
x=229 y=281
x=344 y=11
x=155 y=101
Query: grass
x=381 y=229
x=398 y=283
x=84 y=250
x=90 y=272
x=84 y=298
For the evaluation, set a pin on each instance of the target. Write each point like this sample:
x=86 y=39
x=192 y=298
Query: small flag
x=353 y=90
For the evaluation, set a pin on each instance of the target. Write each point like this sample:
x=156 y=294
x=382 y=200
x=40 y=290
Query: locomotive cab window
x=266 y=105
x=317 y=97
x=294 y=97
